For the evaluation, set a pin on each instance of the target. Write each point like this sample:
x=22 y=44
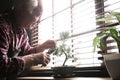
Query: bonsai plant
x=112 y=61
x=61 y=49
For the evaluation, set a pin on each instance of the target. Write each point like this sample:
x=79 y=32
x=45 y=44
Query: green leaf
x=96 y=40
x=102 y=44
x=99 y=41
x=114 y=34
x=105 y=19
x=64 y=35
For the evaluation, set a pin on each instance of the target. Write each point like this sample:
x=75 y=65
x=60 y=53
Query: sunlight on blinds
x=84 y=20
x=45 y=26
x=112 y=5
x=84 y=16
x=77 y=17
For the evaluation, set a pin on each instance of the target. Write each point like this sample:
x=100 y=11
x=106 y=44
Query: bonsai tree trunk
x=66 y=57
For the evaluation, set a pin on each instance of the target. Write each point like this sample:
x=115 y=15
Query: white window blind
x=79 y=18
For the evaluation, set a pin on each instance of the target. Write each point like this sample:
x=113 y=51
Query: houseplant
x=63 y=49
x=112 y=61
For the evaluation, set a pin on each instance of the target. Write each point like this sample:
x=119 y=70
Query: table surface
x=72 y=78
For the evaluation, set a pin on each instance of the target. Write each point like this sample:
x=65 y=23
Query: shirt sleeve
x=8 y=66
x=26 y=47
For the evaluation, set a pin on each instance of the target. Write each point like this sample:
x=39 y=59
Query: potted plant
x=63 y=49
x=112 y=61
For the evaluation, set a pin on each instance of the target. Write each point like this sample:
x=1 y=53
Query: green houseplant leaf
x=99 y=41
x=96 y=41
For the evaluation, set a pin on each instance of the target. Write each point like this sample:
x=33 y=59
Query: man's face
x=29 y=18
x=33 y=18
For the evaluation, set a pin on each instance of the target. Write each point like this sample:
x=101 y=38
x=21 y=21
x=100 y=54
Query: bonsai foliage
x=99 y=40
x=63 y=48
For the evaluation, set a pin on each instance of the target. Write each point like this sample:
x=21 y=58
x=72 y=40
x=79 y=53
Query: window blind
x=33 y=36
x=79 y=17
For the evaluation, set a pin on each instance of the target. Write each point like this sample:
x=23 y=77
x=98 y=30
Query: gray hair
x=27 y=4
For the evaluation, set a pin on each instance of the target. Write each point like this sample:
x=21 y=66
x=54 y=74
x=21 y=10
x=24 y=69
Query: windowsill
x=78 y=72
x=72 y=78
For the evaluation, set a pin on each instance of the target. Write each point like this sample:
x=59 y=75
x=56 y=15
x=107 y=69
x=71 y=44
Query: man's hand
x=35 y=59
x=46 y=45
x=42 y=58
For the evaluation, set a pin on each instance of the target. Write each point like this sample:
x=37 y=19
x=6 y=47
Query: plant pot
x=112 y=63
x=63 y=71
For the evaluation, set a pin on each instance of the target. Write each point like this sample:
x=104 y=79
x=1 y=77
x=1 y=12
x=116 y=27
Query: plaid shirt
x=13 y=45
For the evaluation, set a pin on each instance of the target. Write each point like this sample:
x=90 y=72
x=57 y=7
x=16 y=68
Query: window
x=79 y=18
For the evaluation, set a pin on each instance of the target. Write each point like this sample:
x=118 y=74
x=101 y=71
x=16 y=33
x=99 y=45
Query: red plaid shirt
x=13 y=45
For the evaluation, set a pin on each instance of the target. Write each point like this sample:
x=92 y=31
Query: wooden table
x=72 y=78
